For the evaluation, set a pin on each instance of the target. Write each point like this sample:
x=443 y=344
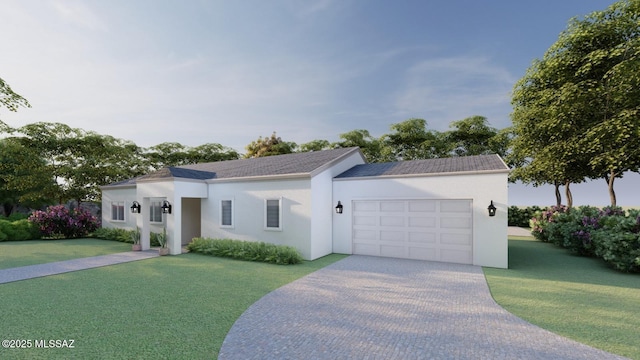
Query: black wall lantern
x=339 y=208
x=135 y=207
x=166 y=207
x=492 y=209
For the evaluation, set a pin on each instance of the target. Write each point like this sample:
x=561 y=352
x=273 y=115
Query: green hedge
x=520 y=216
x=246 y=250
x=18 y=230
x=122 y=235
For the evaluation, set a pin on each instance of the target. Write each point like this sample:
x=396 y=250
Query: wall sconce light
x=339 y=208
x=135 y=207
x=492 y=209
x=166 y=207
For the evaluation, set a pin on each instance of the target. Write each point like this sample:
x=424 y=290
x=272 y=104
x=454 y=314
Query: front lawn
x=171 y=307
x=576 y=297
x=22 y=253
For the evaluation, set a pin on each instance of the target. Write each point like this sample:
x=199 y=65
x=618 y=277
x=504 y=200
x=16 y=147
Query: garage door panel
x=392 y=221
x=392 y=236
x=422 y=206
x=365 y=220
x=424 y=222
x=422 y=237
x=456 y=239
x=392 y=206
x=366 y=206
x=455 y=206
x=367 y=249
x=364 y=234
x=455 y=223
x=435 y=230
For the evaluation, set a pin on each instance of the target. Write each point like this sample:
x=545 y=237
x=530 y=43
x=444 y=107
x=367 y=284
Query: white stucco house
x=433 y=209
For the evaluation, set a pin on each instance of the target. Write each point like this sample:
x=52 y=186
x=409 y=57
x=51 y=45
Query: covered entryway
x=424 y=229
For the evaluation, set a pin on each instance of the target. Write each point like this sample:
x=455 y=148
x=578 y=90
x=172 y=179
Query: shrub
x=59 y=222
x=618 y=241
x=521 y=216
x=246 y=250
x=114 y=234
x=542 y=219
x=18 y=230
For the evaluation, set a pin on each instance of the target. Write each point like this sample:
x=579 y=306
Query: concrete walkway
x=60 y=267
x=382 y=308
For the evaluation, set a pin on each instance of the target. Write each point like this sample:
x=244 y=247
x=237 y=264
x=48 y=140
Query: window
x=226 y=213
x=155 y=212
x=117 y=210
x=273 y=214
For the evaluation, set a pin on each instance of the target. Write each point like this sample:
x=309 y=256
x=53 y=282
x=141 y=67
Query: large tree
x=576 y=110
x=371 y=147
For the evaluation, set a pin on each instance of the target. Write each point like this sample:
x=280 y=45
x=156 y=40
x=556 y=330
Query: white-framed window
x=117 y=211
x=226 y=213
x=273 y=214
x=155 y=211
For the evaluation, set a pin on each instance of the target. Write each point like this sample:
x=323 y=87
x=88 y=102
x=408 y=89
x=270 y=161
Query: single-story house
x=326 y=202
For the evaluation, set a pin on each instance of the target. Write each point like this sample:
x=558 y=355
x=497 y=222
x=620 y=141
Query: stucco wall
x=249 y=211
x=489 y=233
x=323 y=207
x=128 y=195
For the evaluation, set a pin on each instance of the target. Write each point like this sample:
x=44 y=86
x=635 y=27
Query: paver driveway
x=382 y=308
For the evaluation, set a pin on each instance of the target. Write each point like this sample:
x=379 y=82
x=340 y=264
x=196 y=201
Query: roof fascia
x=451 y=173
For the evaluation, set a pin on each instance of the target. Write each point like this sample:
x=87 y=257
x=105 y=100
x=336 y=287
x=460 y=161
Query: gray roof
x=479 y=163
x=289 y=164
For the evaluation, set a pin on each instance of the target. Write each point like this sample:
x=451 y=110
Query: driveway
x=382 y=308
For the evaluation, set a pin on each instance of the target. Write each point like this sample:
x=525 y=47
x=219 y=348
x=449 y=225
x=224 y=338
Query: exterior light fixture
x=339 y=208
x=135 y=207
x=166 y=207
x=492 y=209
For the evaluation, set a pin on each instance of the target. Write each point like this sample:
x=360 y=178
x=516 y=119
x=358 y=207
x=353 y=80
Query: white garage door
x=437 y=230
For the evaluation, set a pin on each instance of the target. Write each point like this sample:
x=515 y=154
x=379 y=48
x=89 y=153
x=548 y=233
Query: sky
x=227 y=72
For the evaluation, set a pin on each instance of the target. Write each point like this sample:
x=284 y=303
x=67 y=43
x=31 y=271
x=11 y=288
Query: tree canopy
x=576 y=110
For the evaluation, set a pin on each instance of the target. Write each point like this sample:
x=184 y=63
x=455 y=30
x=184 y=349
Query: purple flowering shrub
x=59 y=222
x=542 y=219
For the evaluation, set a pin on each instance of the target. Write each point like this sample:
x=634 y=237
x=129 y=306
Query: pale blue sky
x=227 y=72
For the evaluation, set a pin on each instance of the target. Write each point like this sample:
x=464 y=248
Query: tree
x=474 y=136
x=23 y=176
x=269 y=146
x=175 y=154
x=314 y=145
x=576 y=110
x=410 y=140
x=9 y=99
x=370 y=146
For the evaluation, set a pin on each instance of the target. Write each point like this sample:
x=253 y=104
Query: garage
x=423 y=229
x=428 y=210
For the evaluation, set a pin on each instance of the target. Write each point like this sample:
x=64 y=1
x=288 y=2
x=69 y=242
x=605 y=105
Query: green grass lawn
x=22 y=253
x=576 y=297
x=171 y=307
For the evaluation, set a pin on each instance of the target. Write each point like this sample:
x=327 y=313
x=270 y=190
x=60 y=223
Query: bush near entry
x=246 y=250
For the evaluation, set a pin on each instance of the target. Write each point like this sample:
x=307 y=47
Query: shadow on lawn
x=538 y=260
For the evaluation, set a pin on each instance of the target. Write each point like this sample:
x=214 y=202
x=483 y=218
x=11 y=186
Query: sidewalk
x=60 y=267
